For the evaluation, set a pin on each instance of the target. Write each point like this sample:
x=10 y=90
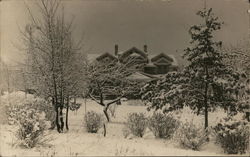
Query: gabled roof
x=174 y=63
x=133 y=50
x=161 y=55
x=97 y=56
x=123 y=54
x=106 y=54
x=162 y=61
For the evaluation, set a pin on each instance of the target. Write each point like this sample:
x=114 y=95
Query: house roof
x=140 y=76
x=150 y=65
x=106 y=54
x=161 y=55
x=152 y=57
x=133 y=50
x=120 y=52
x=92 y=56
x=174 y=61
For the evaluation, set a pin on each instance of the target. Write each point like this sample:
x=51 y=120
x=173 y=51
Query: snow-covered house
x=151 y=63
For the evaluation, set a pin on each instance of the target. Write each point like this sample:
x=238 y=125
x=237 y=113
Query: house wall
x=150 y=70
x=162 y=69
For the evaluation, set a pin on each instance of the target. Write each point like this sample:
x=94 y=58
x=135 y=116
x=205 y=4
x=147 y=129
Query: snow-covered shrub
x=16 y=102
x=31 y=127
x=187 y=115
x=43 y=106
x=30 y=114
x=93 y=121
x=233 y=135
x=125 y=131
x=162 y=125
x=137 y=124
x=191 y=136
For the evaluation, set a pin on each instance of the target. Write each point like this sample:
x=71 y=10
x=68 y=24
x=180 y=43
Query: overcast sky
x=162 y=25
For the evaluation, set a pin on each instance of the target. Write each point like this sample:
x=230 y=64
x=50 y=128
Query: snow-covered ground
x=77 y=142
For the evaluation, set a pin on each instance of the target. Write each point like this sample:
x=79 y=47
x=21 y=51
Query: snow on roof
x=174 y=60
x=175 y=63
x=106 y=54
x=92 y=56
x=120 y=52
x=132 y=51
x=138 y=76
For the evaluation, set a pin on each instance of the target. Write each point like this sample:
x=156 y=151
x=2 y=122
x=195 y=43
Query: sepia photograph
x=124 y=78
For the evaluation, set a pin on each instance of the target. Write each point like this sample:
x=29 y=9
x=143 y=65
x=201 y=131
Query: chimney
x=116 y=49
x=145 y=47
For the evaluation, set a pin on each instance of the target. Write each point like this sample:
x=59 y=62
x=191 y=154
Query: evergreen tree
x=205 y=83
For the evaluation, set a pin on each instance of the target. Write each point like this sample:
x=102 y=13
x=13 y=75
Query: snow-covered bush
x=162 y=125
x=125 y=131
x=187 y=115
x=31 y=127
x=30 y=114
x=93 y=121
x=137 y=124
x=191 y=136
x=17 y=102
x=233 y=135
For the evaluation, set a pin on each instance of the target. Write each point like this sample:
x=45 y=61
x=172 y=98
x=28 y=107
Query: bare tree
x=107 y=82
x=54 y=66
x=4 y=77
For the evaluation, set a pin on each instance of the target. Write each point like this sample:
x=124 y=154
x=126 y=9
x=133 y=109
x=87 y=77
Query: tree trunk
x=53 y=124
x=104 y=130
x=206 y=115
x=67 y=114
x=61 y=118
x=206 y=95
x=206 y=106
x=206 y=100
x=57 y=115
x=105 y=110
x=67 y=119
x=57 y=120
x=85 y=106
x=56 y=108
x=248 y=116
